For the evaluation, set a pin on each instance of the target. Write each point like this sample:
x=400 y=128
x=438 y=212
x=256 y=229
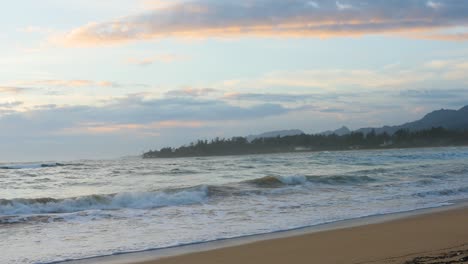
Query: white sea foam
x=141 y=200
x=30 y=166
x=293 y=180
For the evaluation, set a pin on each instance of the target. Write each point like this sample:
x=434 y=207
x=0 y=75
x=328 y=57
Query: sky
x=86 y=79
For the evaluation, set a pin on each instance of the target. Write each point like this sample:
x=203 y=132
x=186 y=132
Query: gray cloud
x=431 y=94
x=320 y=18
x=280 y=98
x=121 y=127
x=133 y=109
x=191 y=92
x=448 y=97
x=59 y=86
x=134 y=123
x=10 y=104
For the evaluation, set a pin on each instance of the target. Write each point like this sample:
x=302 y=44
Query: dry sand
x=438 y=237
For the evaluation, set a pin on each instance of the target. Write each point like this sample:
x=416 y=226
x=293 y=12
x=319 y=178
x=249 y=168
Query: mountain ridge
x=446 y=118
x=438 y=128
x=276 y=133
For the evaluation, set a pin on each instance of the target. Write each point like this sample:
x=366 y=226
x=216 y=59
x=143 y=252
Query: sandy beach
x=437 y=237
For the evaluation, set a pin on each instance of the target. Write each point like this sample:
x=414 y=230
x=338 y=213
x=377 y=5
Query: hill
x=278 y=133
x=446 y=118
x=436 y=129
x=340 y=131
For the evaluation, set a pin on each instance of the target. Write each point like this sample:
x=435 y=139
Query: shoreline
x=171 y=253
x=303 y=151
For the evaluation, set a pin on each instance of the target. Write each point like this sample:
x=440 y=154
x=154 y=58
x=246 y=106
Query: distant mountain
x=438 y=128
x=278 y=133
x=340 y=131
x=448 y=119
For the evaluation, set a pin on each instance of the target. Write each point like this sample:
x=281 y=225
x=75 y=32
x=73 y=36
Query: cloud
x=432 y=73
x=10 y=104
x=434 y=5
x=54 y=85
x=333 y=110
x=142 y=129
x=12 y=89
x=331 y=80
x=275 y=18
x=191 y=92
x=133 y=113
x=69 y=83
x=140 y=121
x=313 y=4
x=454 y=70
x=436 y=94
x=277 y=97
x=341 y=6
x=158 y=4
x=447 y=36
x=451 y=97
x=36 y=29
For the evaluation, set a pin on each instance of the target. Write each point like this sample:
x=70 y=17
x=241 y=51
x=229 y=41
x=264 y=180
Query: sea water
x=54 y=211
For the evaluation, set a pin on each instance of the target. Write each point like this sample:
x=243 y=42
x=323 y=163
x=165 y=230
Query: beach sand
x=436 y=237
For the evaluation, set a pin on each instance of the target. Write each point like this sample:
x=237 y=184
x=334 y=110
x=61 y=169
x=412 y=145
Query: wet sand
x=436 y=237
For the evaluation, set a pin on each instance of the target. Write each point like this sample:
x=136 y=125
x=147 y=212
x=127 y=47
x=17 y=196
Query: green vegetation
x=434 y=137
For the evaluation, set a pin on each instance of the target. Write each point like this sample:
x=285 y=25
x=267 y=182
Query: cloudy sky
x=107 y=78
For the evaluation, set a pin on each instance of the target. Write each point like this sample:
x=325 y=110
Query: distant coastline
x=434 y=137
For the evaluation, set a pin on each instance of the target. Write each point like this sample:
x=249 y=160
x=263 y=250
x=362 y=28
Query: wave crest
x=279 y=181
x=31 y=166
x=137 y=200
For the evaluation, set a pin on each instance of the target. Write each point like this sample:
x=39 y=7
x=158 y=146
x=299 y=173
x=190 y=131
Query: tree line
x=434 y=137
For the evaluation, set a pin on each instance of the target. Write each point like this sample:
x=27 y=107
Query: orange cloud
x=276 y=18
x=445 y=37
x=11 y=89
x=146 y=129
x=177 y=124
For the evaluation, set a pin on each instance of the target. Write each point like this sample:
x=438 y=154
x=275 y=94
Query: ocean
x=54 y=211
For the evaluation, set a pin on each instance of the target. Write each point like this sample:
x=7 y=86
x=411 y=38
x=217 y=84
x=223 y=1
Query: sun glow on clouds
x=275 y=18
x=290 y=88
x=11 y=89
x=142 y=129
x=329 y=62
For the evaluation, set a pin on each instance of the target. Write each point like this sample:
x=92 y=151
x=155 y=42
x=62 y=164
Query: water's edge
x=157 y=253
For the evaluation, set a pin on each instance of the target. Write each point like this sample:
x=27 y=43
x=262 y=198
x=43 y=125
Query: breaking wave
x=137 y=200
x=278 y=181
x=31 y=166
x=183 y=196
x=161 y=198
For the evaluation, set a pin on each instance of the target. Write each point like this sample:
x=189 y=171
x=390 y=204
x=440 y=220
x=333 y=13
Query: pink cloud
x=146 y=129
x=274 y=18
